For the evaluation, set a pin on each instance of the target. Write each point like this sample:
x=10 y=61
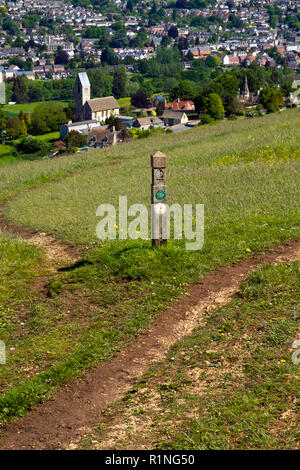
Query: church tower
x=82 y=93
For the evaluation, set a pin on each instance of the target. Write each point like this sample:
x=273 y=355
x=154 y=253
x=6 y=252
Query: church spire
x=245 y=90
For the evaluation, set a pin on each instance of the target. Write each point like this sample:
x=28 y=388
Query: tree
x=213 y=61
x=10 y=26
x=139 y=100
x=129 y=6
x=101 y=82
x=189 y=57
x=119 y=83
x=19 y=90
x=15 y=127
x=147 y=89
x=109 y=57
x=73 y=140
x=62 y=57
x=276 y=101
x=30 y=145
x=165 y=41
x=70 y=110
x=234 y=107
x=182 y=4
x=235 y=21
x=47 y=117
x=2 y=120
x=27 y=120
x=213 y=106
x=183 y=91
x=30 y=20
x=160 y=107
x=271 y=99
x=183 y=43
x=35 y=91
x=173 y=32
x=119 y=39
x=114 y=122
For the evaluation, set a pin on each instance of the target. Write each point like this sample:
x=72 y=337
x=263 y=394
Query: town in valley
x=80 y=75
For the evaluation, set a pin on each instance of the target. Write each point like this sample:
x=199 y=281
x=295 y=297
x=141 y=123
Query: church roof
x=103 y=104
x=84 y=79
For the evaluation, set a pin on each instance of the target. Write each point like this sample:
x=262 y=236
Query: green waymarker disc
x=160 y=195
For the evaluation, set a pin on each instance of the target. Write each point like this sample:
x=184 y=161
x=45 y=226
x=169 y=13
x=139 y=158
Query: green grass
x=6 y=156
x=247 y=175
x=50 y=136
x=124 y=101
x=229 y=385
x=14 y=109
x=6 y=151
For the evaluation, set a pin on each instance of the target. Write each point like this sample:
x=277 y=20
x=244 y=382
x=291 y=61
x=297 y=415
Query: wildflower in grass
x=153 y=293
x=282 y=360
x=248 y=250
x=116 y=226
x=174 y=277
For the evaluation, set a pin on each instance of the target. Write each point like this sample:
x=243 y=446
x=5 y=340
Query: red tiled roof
x=181 y=106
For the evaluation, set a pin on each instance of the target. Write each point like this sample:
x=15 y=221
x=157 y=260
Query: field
x=6 y=151
x=69 y=301
x=124 y=102
x=14 y=109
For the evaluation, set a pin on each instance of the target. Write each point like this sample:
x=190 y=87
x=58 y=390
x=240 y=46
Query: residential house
x=101 y=138
x=198 y=52
x=231 y=60
x=145 y=123
x=294 y=98
x=171 y=118
x=182 y=105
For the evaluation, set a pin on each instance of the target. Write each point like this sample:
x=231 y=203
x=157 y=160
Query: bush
x=73 y=140
x=251 y=113
x=31 y=146
x=206 y=119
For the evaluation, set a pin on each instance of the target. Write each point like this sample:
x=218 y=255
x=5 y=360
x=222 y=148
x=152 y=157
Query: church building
x=97 y=108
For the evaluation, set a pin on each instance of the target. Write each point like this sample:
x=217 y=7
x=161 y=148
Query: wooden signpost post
x=158 y=197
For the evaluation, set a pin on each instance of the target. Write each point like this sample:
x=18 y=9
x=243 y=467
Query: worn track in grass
x=56 y=423
x=54 y=250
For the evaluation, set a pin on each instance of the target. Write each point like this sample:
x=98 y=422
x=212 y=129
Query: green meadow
x=14 y=109
x=7 y=151
x=245 y=172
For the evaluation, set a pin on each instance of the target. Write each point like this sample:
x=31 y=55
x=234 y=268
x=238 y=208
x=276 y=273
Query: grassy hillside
x=247 y=175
